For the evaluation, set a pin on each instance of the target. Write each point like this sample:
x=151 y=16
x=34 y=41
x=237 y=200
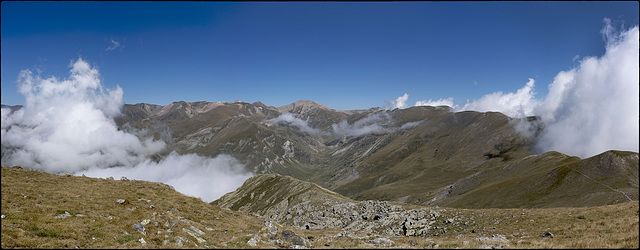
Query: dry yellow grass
x=31 y=200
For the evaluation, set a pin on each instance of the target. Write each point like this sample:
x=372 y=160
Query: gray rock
x=347 y=234
x=194 y=235
x=139 y=227
x=493 y=246
x=382 y=242
x=499 y=237
x=299 y=247
x=196 y=231
x=270 y=228
x=288 y=235
x=252 y=242
x=62 y=216
x=121 y=201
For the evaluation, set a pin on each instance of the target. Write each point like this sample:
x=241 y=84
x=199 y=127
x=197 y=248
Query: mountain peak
x=303 y=106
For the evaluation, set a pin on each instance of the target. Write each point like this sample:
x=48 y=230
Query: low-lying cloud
x=289 y=119
x=377 y=124
x=588 y=110
x=439 y=102
x=190 y=174
x=66 y=125
x=373 y=124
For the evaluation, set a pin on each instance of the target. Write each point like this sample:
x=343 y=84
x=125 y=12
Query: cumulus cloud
x=594 y=107
x=66 y=125
x=289 y=120
x=400 y=102
x=514 y=104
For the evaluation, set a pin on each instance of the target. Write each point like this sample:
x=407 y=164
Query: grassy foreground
x=35 y=207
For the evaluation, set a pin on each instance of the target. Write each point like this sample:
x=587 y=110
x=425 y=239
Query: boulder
x=381 y=242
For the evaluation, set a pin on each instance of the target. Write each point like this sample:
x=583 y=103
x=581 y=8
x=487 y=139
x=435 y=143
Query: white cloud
x=594 y=107
x=589 y=109
x=400 y=102
x=114 y=45
x=439 y=102
x=67 y=126
x=289 y=119
x=373 y=124
x=190 y=174
x=516 y=104
x=377 y=123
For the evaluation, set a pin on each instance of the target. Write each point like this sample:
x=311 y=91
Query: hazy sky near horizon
x=345 y=55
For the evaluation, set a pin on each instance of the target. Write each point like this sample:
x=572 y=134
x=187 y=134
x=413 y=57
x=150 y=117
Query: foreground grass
x=31 y=200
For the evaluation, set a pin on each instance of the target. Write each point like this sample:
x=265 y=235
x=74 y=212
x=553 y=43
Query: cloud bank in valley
x=66 y=125
x=588 y=110
x=190 y=174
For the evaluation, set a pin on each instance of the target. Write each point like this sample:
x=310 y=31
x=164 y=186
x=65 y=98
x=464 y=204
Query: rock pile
x=365 y=216
x=269 y=234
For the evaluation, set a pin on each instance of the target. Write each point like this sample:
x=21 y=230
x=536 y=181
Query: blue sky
x=341 y=54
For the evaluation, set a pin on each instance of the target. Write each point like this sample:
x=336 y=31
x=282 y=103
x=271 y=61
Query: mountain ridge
x=416 y=155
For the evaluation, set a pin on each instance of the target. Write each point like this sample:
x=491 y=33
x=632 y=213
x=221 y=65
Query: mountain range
x=419 y=155
x=416 y=172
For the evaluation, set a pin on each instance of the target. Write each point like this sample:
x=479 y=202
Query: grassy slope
x=611 y=226
x=31 y=200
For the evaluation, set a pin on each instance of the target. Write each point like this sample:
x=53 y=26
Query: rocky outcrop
x=305 y=205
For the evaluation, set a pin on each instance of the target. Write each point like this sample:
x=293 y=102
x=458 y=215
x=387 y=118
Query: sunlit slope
x=311 y=208
x=103 y=213
x=42 y=210
x=269 y=193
